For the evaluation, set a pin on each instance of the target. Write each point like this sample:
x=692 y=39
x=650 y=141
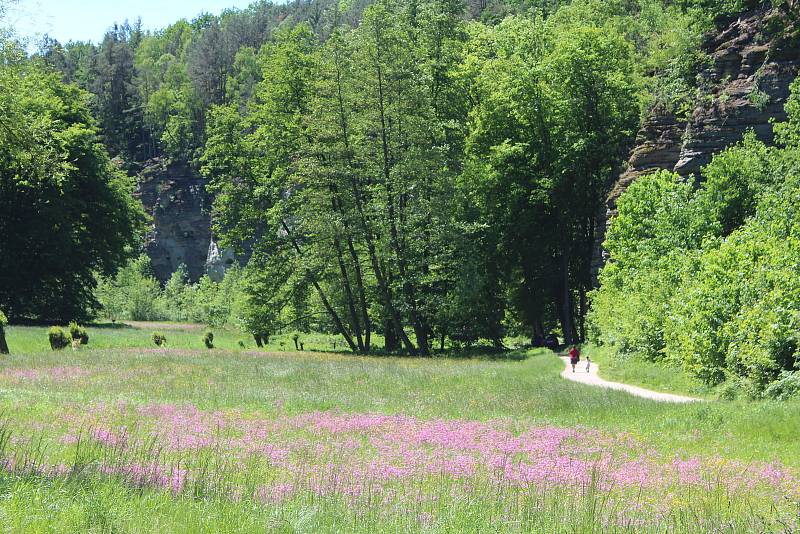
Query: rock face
x=752 y=62
x=181 y=232
x=218 y=261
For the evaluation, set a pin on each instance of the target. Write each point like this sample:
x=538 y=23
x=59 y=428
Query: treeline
x=152 y=91
x=426 y=177
x=708 y=278
x=396 y=167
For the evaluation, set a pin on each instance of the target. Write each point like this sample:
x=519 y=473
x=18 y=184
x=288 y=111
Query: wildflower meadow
x=197 y=440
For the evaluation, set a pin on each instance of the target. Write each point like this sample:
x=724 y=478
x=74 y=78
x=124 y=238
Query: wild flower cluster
x=331 y=454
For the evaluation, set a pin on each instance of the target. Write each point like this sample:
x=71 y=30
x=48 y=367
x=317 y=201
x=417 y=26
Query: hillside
x=153 y=93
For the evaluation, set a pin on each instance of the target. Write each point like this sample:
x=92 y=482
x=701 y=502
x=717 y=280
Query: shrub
x=159 y=339
x=786 y=387
x=208 y=339
x=58 y=338
x=78 y=333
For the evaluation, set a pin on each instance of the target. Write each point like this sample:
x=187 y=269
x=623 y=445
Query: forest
x=431 y=173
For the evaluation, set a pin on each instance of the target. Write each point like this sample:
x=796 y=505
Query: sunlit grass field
x=122 y=436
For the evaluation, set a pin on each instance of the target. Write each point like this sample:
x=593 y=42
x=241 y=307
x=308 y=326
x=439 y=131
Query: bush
x=78 y=333
x=159 y=339
x=786 y=387
x=708 y=277
x=58 y=338
x=208 y=339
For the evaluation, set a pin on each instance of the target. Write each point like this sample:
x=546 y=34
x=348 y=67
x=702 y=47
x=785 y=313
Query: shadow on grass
x=473 y=353
x=111 y=326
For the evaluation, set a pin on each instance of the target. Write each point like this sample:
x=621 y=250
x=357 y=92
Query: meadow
x=122 y=436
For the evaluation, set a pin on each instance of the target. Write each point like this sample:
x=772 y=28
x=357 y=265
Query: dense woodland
x=430 y=171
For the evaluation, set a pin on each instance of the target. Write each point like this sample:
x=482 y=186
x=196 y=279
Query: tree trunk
x=538 y=330
x=565 y=302
x=336 y=204
x=348 y=293
x=383 y=286
x=420 y=331
x=362 y=296
x=389 y=336
x=335 y=316
x=259 y=343
x=582 y=304
x=3 y=344
x=351 y=248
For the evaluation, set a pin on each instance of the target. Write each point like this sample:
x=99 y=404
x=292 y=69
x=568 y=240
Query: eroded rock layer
x=752 y=62
x=176 y=199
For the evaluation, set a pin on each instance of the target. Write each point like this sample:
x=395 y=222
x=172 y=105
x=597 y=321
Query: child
x=588 y=363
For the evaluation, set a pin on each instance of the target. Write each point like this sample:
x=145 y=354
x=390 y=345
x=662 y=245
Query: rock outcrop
x=176 y=199
x=752 y=62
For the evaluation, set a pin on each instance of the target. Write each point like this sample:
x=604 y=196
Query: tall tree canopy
x=66 y=212
x=409 y=172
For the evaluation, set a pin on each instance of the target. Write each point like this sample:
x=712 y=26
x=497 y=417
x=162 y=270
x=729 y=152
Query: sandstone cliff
x=752 y=61
x=181 y=231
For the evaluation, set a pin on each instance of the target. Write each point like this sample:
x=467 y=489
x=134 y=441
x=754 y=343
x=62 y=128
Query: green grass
x=519 y=390
x=26 y=339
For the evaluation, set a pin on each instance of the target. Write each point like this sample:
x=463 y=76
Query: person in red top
x=574 y=357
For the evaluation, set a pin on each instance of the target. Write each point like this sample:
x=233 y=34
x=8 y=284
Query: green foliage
x=78 y=333
x=735 y=179
x=159 y=339
x=65 y=211
x=135 y=294
x=132 y=294
x=707 y=278
x=3 y=319
x=785 y=387
x=208 y=339
x=400 y=171
x=556 y=104
x=788 y=133
x=58 y=338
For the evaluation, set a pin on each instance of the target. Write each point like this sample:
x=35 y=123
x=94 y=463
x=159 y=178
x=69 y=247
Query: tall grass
x=185 y=439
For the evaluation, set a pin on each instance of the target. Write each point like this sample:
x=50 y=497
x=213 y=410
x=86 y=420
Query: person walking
x=574 y=357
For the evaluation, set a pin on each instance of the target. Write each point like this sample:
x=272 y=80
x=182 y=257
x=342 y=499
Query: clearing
x=186 y=439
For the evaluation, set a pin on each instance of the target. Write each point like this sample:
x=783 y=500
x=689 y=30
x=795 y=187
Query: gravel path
x=591 y=378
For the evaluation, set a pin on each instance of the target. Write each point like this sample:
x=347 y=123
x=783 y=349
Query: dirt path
x=591 y=378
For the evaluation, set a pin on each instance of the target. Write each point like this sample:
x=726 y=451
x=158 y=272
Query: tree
x=118 y=105
x=66 y=212
x=3 y=324
x=555 y=110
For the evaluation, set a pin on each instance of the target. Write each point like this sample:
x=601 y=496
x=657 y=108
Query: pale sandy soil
x=591 y=378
